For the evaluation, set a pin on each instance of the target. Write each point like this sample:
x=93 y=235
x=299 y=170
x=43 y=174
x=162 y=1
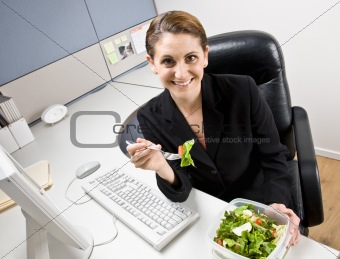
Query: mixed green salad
x=248 y=233
x=184 y=153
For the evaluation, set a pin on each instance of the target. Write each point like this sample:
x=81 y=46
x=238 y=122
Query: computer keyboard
x=156 y=220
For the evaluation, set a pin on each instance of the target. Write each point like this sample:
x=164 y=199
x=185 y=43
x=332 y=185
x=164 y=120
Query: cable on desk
x=80 y=203
x=75 y=202
x=109 y=240
x=113 y=237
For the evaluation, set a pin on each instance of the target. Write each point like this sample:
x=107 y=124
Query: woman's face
x=179 y=61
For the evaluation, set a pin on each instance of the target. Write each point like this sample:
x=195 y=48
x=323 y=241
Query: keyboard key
x=180 y=214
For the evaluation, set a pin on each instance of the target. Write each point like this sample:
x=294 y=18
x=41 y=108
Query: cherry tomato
x=180 y=150
x=258 y=221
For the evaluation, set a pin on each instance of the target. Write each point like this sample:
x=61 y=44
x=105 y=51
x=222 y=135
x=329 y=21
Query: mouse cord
x=79 y=203
x=75 y=202
x=114 y=235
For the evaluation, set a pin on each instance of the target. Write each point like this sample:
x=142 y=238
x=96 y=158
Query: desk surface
x=53 y=143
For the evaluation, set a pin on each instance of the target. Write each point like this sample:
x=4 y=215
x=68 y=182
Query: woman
x=237 y=151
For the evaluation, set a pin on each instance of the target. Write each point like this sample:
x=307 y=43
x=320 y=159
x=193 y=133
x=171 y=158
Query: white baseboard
x=327 y=153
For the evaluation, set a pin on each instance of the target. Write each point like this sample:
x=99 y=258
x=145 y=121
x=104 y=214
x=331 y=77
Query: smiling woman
x=229 y=107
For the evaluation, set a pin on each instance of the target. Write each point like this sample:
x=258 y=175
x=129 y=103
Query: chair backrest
x=130 y=131
x=259 y=55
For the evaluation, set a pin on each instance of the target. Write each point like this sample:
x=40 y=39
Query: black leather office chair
x=259 y=55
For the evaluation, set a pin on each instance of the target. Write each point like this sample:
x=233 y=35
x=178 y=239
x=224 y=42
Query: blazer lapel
x=180 y=131
x=177 y=127
x=213 y=118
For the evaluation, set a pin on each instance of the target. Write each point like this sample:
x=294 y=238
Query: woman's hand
x=145 y=158
x=294 y=219
x=149 y=159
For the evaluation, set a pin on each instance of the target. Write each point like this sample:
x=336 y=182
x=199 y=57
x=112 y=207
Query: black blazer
x=243 y=156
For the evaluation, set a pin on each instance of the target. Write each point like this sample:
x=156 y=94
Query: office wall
x=35 y=34
x=309 y=32
x=52 y=52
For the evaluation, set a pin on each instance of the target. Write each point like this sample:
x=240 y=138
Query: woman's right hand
x=149 y=159
x=145 y=158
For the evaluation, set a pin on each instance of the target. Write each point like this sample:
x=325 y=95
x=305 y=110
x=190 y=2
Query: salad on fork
x=183 y=152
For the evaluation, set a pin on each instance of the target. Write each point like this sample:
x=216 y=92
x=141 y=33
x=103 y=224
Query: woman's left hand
x=294 y=219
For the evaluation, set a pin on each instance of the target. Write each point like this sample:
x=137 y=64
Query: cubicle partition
x=55 y=51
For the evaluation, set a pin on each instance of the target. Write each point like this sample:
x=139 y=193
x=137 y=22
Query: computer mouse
x=87 y=169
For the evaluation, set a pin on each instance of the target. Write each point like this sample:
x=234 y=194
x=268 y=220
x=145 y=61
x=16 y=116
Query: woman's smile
x=182 y=84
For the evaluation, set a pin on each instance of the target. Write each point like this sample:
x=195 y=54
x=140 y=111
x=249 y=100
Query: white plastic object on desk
x=54 y=113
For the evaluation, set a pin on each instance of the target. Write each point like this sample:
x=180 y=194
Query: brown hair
x=175 y=22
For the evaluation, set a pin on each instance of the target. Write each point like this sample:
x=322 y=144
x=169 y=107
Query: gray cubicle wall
x=111 y=17
x=36 y=33
x=52 y=50
x=114 y=19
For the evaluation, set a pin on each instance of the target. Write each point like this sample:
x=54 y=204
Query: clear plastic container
x=221 y=252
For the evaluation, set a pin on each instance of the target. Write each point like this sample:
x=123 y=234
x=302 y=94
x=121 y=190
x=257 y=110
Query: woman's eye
x=191 y=58
x=168 y=62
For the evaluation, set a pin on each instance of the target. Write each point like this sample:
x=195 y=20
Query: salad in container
x=248 y=229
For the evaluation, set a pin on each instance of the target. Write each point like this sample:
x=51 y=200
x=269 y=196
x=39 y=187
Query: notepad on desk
x=40 y=172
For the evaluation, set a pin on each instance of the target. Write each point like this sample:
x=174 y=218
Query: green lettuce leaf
x=186 y=159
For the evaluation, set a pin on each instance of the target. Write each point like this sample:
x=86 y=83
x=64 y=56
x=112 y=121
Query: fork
x=167 y=155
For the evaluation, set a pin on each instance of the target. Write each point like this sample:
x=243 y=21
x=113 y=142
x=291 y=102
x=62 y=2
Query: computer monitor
x=49 y=233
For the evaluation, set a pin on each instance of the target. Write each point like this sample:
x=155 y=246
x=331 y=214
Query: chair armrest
x=308 y=168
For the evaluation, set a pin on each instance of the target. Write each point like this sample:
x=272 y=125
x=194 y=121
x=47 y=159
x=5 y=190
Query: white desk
x=53 y=143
